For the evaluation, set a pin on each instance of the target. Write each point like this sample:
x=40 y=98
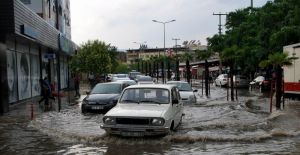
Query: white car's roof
x=160 y=86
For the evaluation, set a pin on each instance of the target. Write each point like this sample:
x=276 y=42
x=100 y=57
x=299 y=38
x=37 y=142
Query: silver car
x=185 y=90
x=141 y=79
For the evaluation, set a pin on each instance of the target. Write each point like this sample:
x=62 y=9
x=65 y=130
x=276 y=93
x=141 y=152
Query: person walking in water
x=76 y=85
x=45 y=91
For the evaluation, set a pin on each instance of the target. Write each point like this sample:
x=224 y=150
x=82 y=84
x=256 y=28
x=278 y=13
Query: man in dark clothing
x=76 y=85
x=46 y=91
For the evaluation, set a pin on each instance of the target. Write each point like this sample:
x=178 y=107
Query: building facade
x=146 y=53
x=32 y=47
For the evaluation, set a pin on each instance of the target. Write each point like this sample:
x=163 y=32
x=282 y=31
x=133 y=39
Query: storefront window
x=35 y=75
x=11 y=76
x=24 y=76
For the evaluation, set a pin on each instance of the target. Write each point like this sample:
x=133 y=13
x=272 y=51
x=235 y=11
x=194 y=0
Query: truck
x=292 y=72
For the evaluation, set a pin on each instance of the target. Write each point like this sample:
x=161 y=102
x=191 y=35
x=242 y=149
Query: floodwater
x=212 y=126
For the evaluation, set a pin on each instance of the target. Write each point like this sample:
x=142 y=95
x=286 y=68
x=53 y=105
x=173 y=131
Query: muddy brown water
x=212 y=126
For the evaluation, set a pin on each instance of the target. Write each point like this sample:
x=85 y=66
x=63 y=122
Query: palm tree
x=204 y=55
x=230 y=56
x=277 y=60
x=187 y=57
x=177 y=68
x=155 y=60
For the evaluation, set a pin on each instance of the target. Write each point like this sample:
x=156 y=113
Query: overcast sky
x=122 y=22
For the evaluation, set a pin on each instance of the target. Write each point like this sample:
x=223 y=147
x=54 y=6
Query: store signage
x=29 y=31
x=49 y=56
x=64 y=43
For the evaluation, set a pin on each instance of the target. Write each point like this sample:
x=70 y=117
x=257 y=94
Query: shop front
x=30 y=49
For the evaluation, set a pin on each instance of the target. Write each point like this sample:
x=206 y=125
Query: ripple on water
x=216 y=123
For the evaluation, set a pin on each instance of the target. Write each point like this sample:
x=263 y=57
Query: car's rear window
x=182 y=86
x=144 y=78
x=112 y=88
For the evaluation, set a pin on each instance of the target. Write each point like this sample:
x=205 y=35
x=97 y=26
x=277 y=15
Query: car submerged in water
x=145 y=110
x=103 y=96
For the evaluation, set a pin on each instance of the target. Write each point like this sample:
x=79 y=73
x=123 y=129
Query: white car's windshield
x=112 y=88
x=145 y=95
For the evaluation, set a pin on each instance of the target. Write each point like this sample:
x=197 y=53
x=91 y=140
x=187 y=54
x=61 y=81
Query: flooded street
x=212 y=126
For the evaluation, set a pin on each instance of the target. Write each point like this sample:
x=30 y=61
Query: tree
x=230 y=56
x=259 y=32
x=122 y=68
x=177 y=57
x=204 y=55
x=187 y=57
x=94 y=57
x=277 y=60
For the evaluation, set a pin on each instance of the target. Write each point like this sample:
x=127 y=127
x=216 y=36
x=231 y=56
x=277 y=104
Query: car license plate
x=132 y=134
x=97 y=107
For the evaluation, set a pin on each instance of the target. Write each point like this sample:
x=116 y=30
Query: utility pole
x=220 y=33
x=177 y=60
x=251 y=4
x=220 y=21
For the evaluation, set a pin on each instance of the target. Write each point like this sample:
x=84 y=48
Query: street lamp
x=177 y=77
x=164 y=23
x=162 y=63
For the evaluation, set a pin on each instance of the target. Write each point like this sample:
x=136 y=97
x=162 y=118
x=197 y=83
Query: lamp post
x=142 y=46
x=177 y=77
x=162 y=62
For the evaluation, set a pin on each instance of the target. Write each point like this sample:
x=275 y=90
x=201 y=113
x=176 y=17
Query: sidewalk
x=30 y=109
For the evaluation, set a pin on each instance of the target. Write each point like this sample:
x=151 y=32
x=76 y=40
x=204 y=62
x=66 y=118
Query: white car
x=221 y=80
x=141 y=79
x=186 y=92
x=118 y=77
x=257 y=81
x=145 y=110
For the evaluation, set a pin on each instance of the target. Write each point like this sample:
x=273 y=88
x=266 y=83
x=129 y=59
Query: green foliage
x=277 y=59
x=122 y=68
x=94 y=57
x=186 y=56
x=204 y=54
x=253 y=34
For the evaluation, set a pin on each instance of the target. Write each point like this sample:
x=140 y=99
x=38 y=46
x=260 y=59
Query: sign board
x=29 y=31
x=50 y=56
x=64 y=43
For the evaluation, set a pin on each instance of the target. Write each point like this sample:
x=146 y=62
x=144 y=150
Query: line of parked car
x=241 y=81
x=139 y=107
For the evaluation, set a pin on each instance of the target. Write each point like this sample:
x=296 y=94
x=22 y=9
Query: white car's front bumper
x=135 y=130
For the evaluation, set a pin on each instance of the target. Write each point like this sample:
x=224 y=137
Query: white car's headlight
x=109 y=120
x=157 y=121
